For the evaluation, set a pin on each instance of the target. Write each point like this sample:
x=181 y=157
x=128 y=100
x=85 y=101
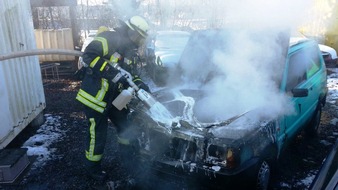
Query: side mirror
x=159 y=61
x=300 y=92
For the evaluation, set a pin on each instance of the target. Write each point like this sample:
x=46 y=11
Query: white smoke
x=125 y=9
x=247 y=73
x=249 y=69
x=246 y=77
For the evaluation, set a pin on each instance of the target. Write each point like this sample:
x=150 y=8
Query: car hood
x=185 y=123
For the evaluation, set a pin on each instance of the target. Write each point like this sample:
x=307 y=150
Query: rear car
x=243 y=146
x=89 y=38
x=329 y=54
x=163 y=52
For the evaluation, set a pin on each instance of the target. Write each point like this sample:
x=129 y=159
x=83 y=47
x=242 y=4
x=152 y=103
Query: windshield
x=237 y=71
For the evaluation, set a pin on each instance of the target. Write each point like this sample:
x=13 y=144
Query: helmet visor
x=136 y=37
x=141 y=32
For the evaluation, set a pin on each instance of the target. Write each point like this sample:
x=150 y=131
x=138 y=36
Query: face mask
x=136 y=37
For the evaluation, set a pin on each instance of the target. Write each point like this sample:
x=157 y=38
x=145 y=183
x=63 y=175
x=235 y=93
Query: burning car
x=231 y=117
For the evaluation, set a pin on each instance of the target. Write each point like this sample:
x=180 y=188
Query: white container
x=123 y=98
x=22 y=96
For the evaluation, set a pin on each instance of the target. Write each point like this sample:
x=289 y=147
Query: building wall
x=54 y=39
x=21 y=91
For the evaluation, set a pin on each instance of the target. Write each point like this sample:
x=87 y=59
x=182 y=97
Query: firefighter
x=101 y=85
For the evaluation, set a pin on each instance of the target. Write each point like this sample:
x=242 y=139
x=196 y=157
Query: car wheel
x=260 y=176
x=312 y=128
x=263 y=177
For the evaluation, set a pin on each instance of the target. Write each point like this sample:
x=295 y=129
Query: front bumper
x=203 y=174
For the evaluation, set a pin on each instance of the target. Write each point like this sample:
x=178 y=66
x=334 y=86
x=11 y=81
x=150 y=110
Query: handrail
x=40 y=52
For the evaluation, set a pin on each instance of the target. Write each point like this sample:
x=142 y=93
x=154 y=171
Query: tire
x=312 y=128
x=263 y=175
x=264 y=168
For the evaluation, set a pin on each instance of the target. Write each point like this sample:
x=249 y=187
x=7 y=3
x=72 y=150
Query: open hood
x=180 y=104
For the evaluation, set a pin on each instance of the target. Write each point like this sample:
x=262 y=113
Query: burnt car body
x=196 y=154
x=245 y=145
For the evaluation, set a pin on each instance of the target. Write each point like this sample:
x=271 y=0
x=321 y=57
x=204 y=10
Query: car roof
x=298 y=40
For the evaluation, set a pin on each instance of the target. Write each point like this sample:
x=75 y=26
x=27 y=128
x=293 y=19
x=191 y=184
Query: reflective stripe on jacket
x=96 y=91
x=96 y=102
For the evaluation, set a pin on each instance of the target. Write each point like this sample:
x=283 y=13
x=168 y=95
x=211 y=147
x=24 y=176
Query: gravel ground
x=64 y=170
x=296 y=170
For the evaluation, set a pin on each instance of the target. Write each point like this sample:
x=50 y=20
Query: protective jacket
x=97 y=90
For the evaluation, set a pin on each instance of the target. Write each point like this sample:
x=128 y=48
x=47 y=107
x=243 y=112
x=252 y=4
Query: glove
x=123 y=81
x=141 y=84
x=80 y=74
x=114 y=75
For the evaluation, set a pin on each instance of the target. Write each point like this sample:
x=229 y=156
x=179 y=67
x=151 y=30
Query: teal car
x=242 y=147
x=308 y=86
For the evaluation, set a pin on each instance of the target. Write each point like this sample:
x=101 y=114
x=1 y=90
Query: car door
x=295 y=78
x=302 y=80
x=308 y=58
x=314 y=79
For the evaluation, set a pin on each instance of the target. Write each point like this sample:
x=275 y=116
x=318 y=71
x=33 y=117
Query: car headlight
x=224 y=157
x=230 y=158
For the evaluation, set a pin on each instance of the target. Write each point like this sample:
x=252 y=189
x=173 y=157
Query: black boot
x=94 y=171
x=130 y=161
x=128 y=156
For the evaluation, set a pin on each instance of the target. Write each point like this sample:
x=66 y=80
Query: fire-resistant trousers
x=97 y=130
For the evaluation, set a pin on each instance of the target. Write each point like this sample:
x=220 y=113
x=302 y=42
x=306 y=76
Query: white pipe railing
x=40 y=52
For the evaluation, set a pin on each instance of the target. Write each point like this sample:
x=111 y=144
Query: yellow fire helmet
x=138 y=24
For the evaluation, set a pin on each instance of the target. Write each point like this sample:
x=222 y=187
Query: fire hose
x=39 y=52
x=120 y=101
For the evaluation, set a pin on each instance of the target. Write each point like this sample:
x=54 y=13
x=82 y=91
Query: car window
x=296 y=70
x=302 y=65
x=199 y=52
x=314 y=62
